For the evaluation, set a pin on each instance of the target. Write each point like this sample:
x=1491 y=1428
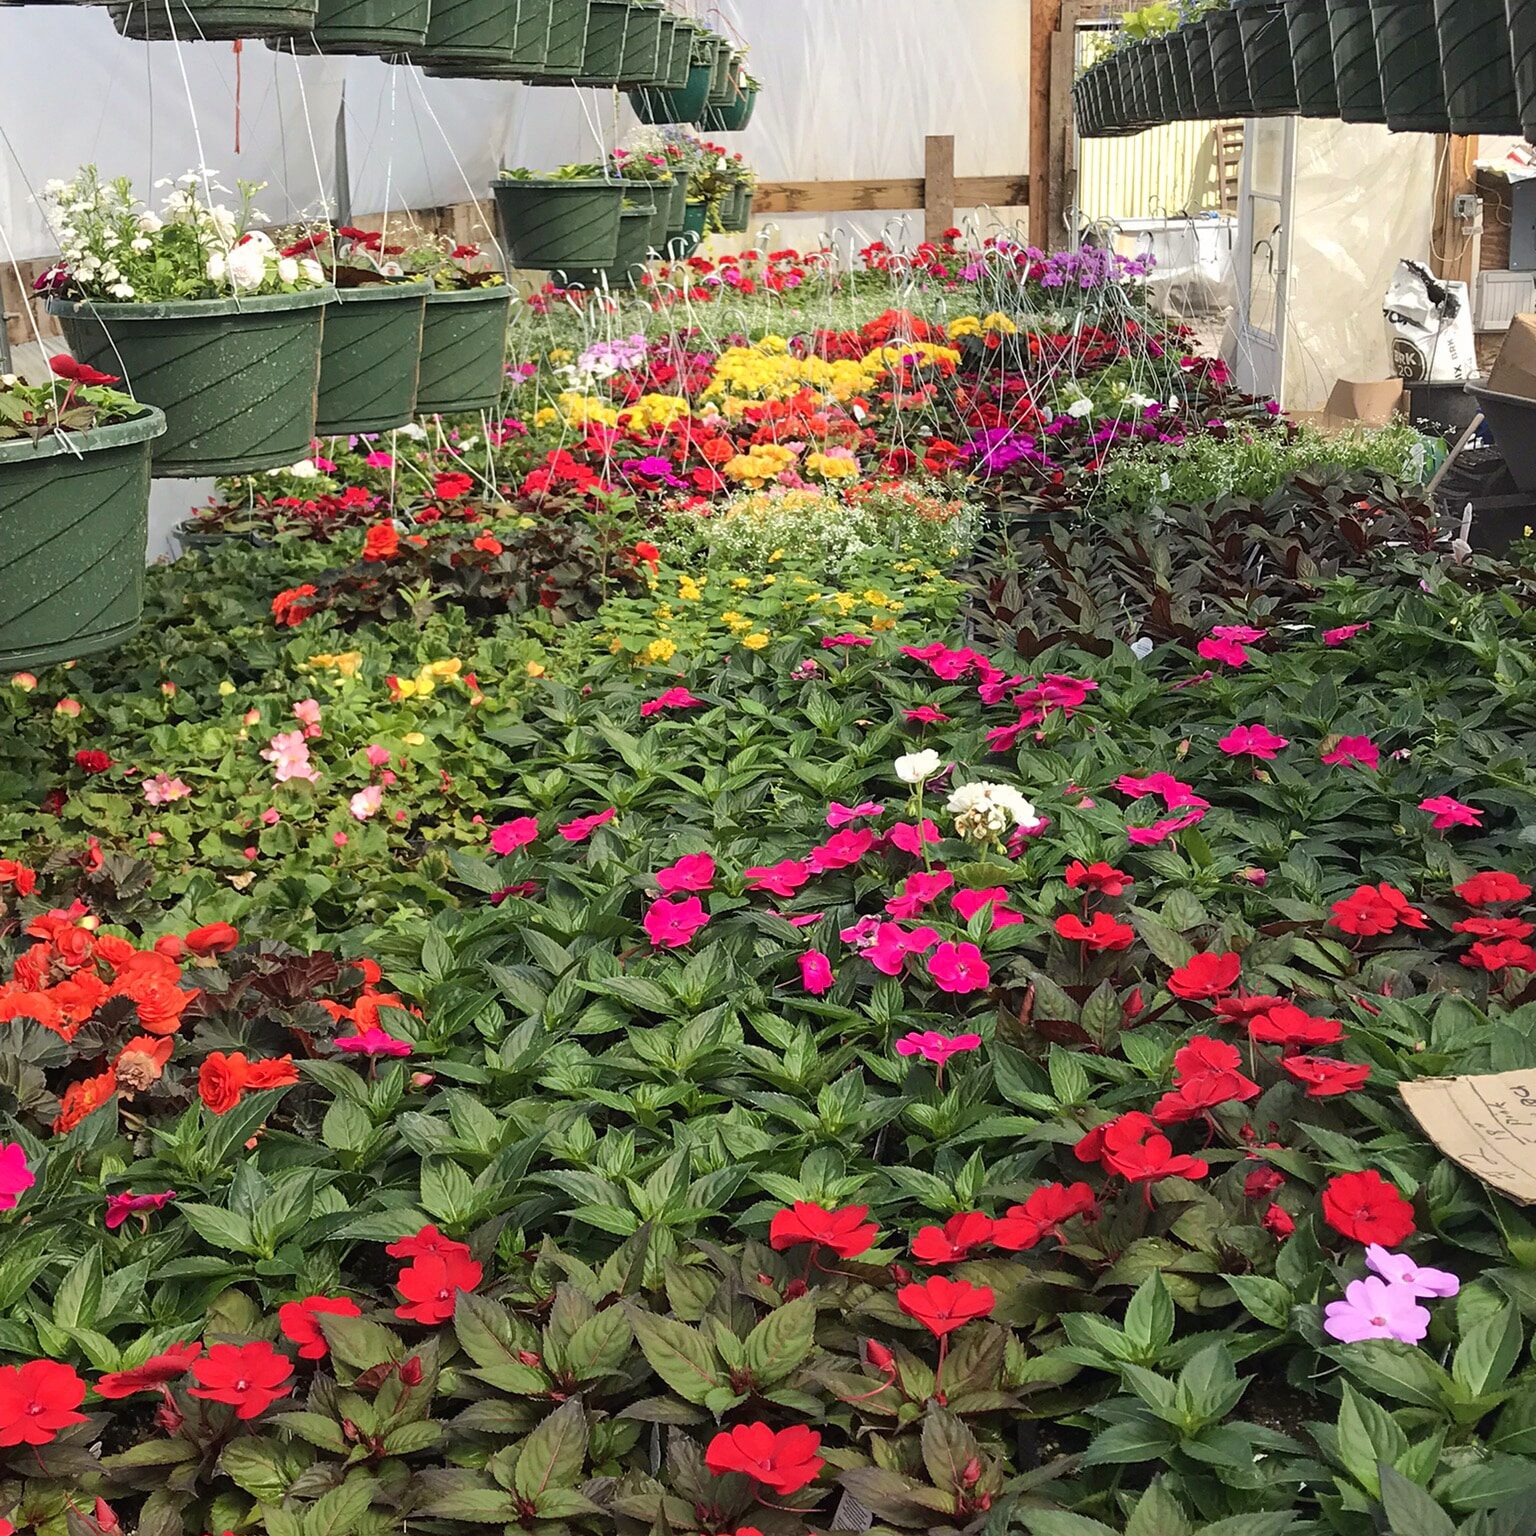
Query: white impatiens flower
x=1080 y=408
x=247 y=265
x=288 y=270
x=917 y=767
x=215 y=268
x=985 y=812
x=305 y=469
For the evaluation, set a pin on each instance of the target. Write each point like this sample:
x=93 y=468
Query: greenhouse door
x=1264 y=252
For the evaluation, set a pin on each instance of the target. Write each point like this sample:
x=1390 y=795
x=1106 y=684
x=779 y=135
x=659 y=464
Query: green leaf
x=600 y=1345
x=220 y=1229
x=78 y=1298
x=1125 y=1444
x=359 y=1343
x=1062 y=1522
x=338 y=1512
x=1158 y=1513
x=480 y=1506
x=779 y=1344
x=1396 y=1370
x=1409 y=1510
x=948 y=1448
x=1265 y=1299
x=263 y=1467
x=1149 y=1316
x=680 y=1355
x=1488 y=1352
x=1368 y=1436
x=554 y=1454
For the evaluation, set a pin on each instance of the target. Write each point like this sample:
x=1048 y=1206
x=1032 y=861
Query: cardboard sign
x=1515 y=371
x=1486 y=1124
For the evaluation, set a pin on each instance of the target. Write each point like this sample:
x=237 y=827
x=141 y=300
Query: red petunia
x=1100 y=877
x=1325 y=1078
x=431 y=1284
x=844 y=1231
x=942 y=1305
x=37 y=1400
x=1363 y=1206
x=1495 y=886
x=1376 y=909
x=1043 y=1214
x=1102 y=934
x=297 y=1320
x=954 y=1240
x=155 y=1372
x=1205 y=976
x=249 y=1377
x=784 y=1460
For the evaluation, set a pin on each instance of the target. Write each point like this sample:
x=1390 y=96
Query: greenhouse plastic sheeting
x=850 y=91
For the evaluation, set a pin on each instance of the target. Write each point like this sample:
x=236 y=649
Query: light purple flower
x=1399 y=1269
x=1376 y=1309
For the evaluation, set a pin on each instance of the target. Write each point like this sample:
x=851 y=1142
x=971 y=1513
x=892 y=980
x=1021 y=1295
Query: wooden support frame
x=893 y=196
x=1453 y=248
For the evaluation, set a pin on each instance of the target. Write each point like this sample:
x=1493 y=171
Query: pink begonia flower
x=934 y=1047
x=372 y=1042
x=841 y=850
x=366 y=802
x=692 y=872
x=288 y=752
x=271 y=816
x=781 y=879
x=1227 y=651
x=583 y=827
x=1175 y=794
x=926 y=714
x=816 y=972
x=307 y=713
x=845 y=642
x=959 y=968
x=1252 y=740
x=162 y=789
x=969 y=902
x=1376 y=1309
x=672 y=924
x=16 y=1178
x=1449 y=813
x=377 y=756
x=1342 y=633
x=1354 y=749
x=514 y=834
x=1399 y=1269
x=673 y=698
x=841 y=815
x=339 y=838
x=121 y=1207
x=909 y=837
x=1161 y=831
x=918 y=891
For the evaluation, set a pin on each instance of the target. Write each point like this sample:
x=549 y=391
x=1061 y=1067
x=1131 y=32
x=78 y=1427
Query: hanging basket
x=212 y=20
x=1356 y=72
x=1317 y=92
x=672 y=105
x=548 y=224
x=74 y=531
x=642 y=44
x=370 y=357
x=1522 y=41
x=463 y=350
x=603 y=58
x=1202 y=77
x=736 y=210
x=1408 y=54
x=1176 y=46
x=468 y=33
x=1267 y=55
x=1233 y=98
x=724 y=83
x=380 y=28
x=634 y=251
x=530 y=36
x=662 y=80
x=567 y=44
x=236 y=378
x=1160 y=72
x=1479 y=67
x=734 y=118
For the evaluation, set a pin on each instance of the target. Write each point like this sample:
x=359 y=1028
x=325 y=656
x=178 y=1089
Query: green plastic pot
x=370 y=357
x=212 y=20
x=736 y=210
x=1317 y=90
x=1408 y=55
x=603 y=59
x=1176 y=47
x=463 y=350
x=1230 y=67
x=74 y=531
x=1356 y=72
x=684 y=33
x=1478 y=65
x=1521 y=15
x=662 y=79
x=470 y=32
x=734 y=118
x=379 y=28
x=685 y=106
x=530 y=35
x=661 y=220
x=1267 y=55
x=236 y=378
x=1202 y=76
x=677 y=203
x=549 y=224
x=634 y=251
x=567 y=43
x=642 y=44
x=722 y=84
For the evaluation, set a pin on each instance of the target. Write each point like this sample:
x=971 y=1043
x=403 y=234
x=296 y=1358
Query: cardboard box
x=1358 y=403
x=1515 y=371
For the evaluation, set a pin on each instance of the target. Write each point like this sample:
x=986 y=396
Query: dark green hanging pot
x=370 y=357
x=1408 y=54
x=567 y=44
x=642 y=44
x=1202 y=76
x=1176 y=45
x=1132 y=91
x=530 y=36
x=634 y=250
x=212 y=20
x=463 y=350
x=1233 y=98
x=607 y=23
x=1161 y=67
x=736 y=211
x=662 y=81
x=1522 y=42
x=734 y=118
x=467 y=33
x=74 y=531
x=723 y=85
x=1267 y=55
x=688 y=100
x=661 y=219
x=1356 y=72
x=1317 y=92
x=1479 y=67
x=547 y=224
x=236 y=378
x=371 y=27
x=685 y=35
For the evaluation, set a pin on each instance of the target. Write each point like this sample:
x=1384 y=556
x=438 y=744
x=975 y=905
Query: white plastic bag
x=1429 y=327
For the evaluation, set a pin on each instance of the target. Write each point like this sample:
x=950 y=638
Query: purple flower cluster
x=1385 y=1304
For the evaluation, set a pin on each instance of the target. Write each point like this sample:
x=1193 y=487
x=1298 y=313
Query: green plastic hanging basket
x=74 y=531
x=734 y=118
x=463 y=350
x=549 y=224
x=1521 y=15
x=635 y=226
x=722 y=85
x=567 y=44
x=677 y=203
x=603 y=59
x=378 y=28
x=469 y=32
x=1233 y=98
x=685 y=106
x=642 y=44
x=1267 y=56
x=685 y=33
x=236 y=378
x=1356 y=72
x=1317 y=91
x=1479 y=67
x=212 y=20
x=530 y=36
x=1408 y=54
x=370 y=357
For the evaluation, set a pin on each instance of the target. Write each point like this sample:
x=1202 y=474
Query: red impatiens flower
x=784 y=1460
x=1103 y=933
x=942 y=1305
x=427 y=1243
x=1376 y=909
x=1501 y=955
x=1325 y=1078
x=1205 y=976
x=155 y=1372
x=954 y=1240
x=1205 y=1076
x=1262 y=1183
x=1278 y=1222
x=1495 y=886
x=1100 y=877
x=1495 y=927
x=1043 y=1214
x=297 y=1320
x=431 y=1284
x=1286 y=1025
x=37 y=1400
x=844 y=1231
x=1363 y=1206
x=1134 y=1148
x=90 y=761
x=249 y=1377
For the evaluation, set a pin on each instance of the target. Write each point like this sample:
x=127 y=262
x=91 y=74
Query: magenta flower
x=919 y=891
x=672 y=924
x=1229 y=652
x=673 y=698
x=959 y=968
x=372 y=1042
x=1344 y=632
x=377 y=756
x=1161 y=831
x=845 y=642
x=583 y=827
x=910 y=837
x=889 y=951
x=781 y=879
x=926 y=714
x=121 y=1207
x=1354 y=749
x=515 y=834
x=841 y=850
x=971 y=901
x=1243 y=634
x=1252 y=740
x=1376 y=1309
x=1175 y=793
x=934 y=1047
x=1450 y=813
x=692 y=872
x=1399 y=1269
x=803 y=919
x=841 y=815
x=16 y=1178
x=816 y=972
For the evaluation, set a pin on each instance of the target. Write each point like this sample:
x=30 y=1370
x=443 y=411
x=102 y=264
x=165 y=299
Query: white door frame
x=1256 y=350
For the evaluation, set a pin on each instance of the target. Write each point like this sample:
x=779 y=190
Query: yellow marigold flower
x=755 y=641
x=966 y=325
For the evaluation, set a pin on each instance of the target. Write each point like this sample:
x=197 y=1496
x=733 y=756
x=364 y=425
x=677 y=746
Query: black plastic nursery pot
x=212 y=20
x=1317 y=91
x=1408 y=54
x=642 y=44
x=470 y=33
x=1147 y=77
x=634 y=251
x=1478 y=65
x=1356 y=72
x=370 y=358
x=1202 y=75
x=549 y=224
x=74 y=528
x=377 y=27
x=463 y=350
x=1083 y=107
x=1176 y=46
x=1267 y=54
x=1521 y=15
x=236 y=378
x=1161 y=66
x=1230 y=67
x=1512 y=421
x=603 y=58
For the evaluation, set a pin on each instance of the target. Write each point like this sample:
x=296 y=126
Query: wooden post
x=1044 y=21
x=938 y=184
x=1451 y=247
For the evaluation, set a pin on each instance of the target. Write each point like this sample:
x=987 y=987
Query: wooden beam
x=1044 y=98
x=902 y=193
x=938 y=185
x=1452 y=249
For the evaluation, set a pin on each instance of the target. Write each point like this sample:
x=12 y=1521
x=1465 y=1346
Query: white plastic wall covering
x=1501 y=296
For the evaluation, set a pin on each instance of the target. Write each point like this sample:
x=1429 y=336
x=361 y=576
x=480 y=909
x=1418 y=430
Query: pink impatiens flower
x=672 y=698
x=371 y=1042
x=934 y=1047
x=514 y=834
x=1354 y=749
x=1252 y=740
x=919 y=891
x=16 y=1178
x=1230 y=652
x=1336 y=637
x=970 y=901
x=121 y=1207
x=781 y=879
x=910 y=837
x=892 y=944
x=1374 y=1308
x=959 y=968
x=307 y=713
x=841 y=815
x=1449 y=812
x=816 y=972
x=1399 y=1269
x=672 y=924
x=583 y=827
x=926 y=714
x=692 y=872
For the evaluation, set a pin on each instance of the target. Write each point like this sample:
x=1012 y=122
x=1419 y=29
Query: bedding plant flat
x=815 y=925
